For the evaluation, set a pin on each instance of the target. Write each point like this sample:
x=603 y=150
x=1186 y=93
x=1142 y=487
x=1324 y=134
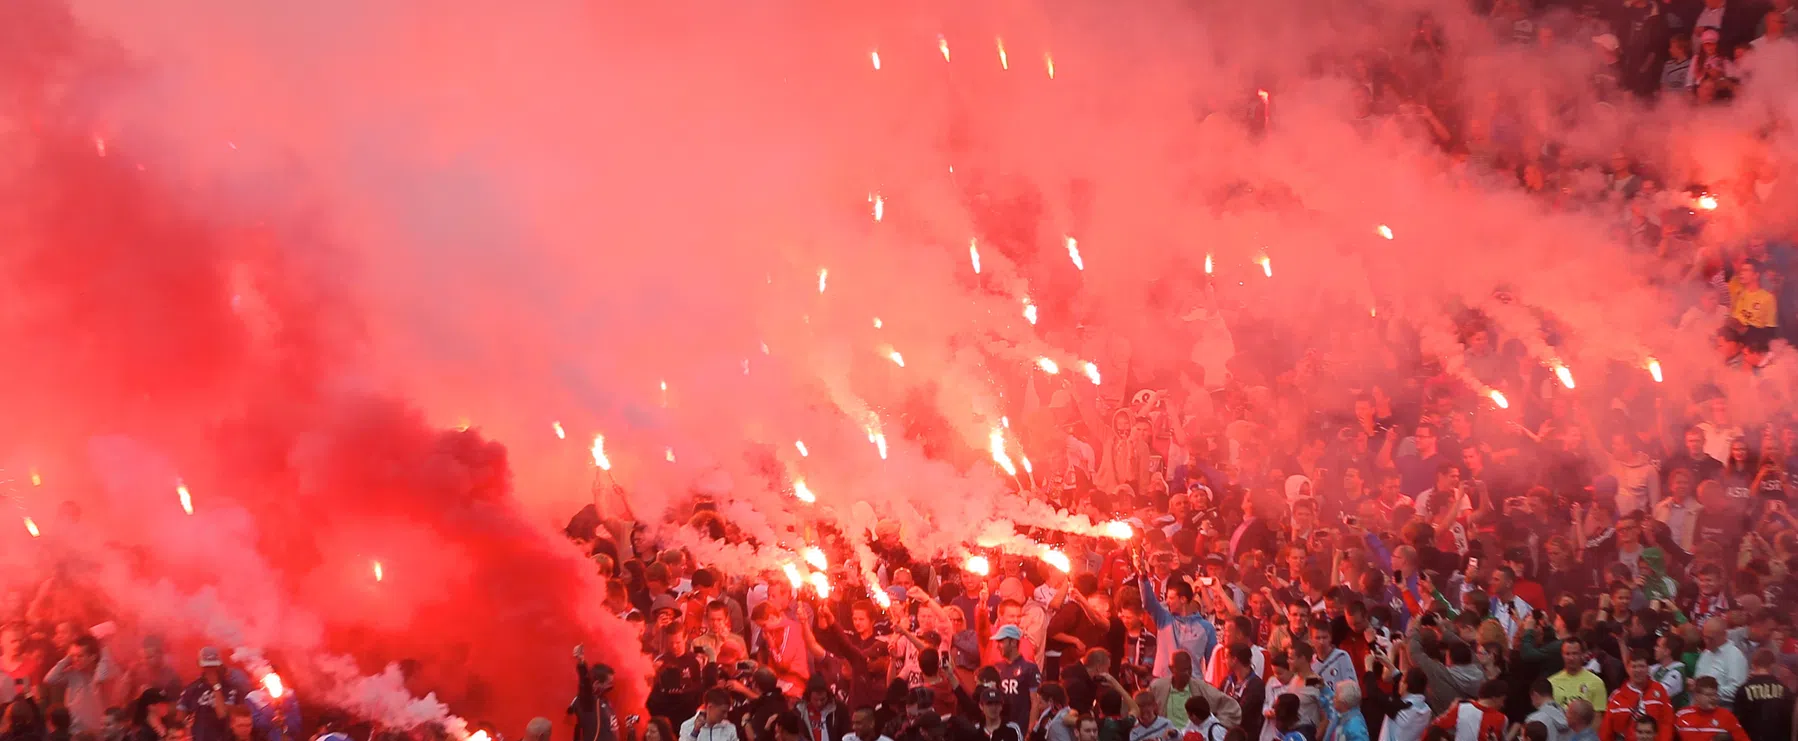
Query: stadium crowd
x=1325 y=548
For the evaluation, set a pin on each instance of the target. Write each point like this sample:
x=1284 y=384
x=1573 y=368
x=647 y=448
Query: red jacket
x=1693 y=724
x=1620 y=711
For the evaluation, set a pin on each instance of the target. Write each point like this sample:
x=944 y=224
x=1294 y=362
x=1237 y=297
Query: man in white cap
x=205 y=702
x=1018 y=677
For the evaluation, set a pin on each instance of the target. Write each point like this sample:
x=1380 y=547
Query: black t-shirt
x=1764 y=707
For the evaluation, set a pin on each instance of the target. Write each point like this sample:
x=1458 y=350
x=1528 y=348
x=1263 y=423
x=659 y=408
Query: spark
x=880 y=206
x=1074 y=254
x=877 y=323
x=1092 y=373
x=1057 y=559
x=668 y=454
x=1384 y=231
x=272 y=682
x=997 y=443
x=187 y=500
x=897 y=359
x=379 y=573
x=31 y=527
x=599 y=453
x=560 y=433
x=803 y=453
x=821 y=585
x=802 y=492
x=942 y=45
x=1119 y=530
x=1048 y=366
x=1267 y=266
x=978 y=565
x=875 y=56
x=974 y=254
x=1498 y=398
x=793 y=574
x=1207 y=263
x=1565 y=374
x=823 y=278
x=1030 y=312
x=1654 y=369
x=1049 y=61
x=815 y=556
x=1707 y=202
x=1003 y=62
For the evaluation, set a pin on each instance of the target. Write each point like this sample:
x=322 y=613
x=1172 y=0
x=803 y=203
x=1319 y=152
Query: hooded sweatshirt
x=1448 y=684
x=1638 y=484
x=1552 y=716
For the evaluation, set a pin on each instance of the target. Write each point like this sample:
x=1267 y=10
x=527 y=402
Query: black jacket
x=1764 y=707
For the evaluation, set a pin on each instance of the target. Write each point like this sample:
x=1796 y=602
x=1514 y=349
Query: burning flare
x=1030 y=312
x=599 y=453
x=668 y=454
x=36 y=480
x=897 y=359
x=803 y=453
x=1074 y=254
x=814 y=556
x=31 y=527
x=1057 y=559
x=1384 y=231
x=1707 y=202
x=1003 y=62
x=1024 y=459
x=979 y=565
x=1092 y=373
x=1267 y=266
x=881 y=597
x=1498 y=398
x=1049 y=61
x=942 y=45
x=803 y=492
x=880 y=206
x=1207 y=263
x=1119 y=530
x=272 y=682
x=379 y=574
x=875 y=56
x=557 y=426
x=1654 y=369
x=877 y=323
x=1565 y=374
x=997 y=442
x=974 y=254
x=1048 y=366
x=821 y=585
x=793 y=575
x=823 y=278
x=187 y=500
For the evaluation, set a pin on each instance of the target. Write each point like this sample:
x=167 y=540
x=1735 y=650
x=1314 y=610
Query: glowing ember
x=1119 y=530
x=1003 y=62
x=974 y=254
x=1565 y=374
x=379 y=573
x=942 y=45
x=187 y=500
x=815 y=556
x=1654 y=369
x=897 y=359
x=802 y=492
x=31 y=527
x=1057 y=559
x=978 y=565
x=1048 y=366
x=1030 y=312
x=800 y=444
x=1707 y=202
x=1207 y=263
x=668 y=454
x=997 y=442
x=272 y=682
x=793 y=574
x=1092 y=373
x=823 y=278
x=1074 y=254
x=1049 y=61
x=599 y=453
x=1267 y=266
x=560 y=434
x=1384 y=231
x=875 y=57
x=1499 y=399
x=821 y=585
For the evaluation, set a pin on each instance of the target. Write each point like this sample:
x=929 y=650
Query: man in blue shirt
x=208 y=699
x=1178 y=624
x=1018 y=677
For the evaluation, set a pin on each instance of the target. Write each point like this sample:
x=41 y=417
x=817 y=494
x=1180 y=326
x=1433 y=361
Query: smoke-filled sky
x=280 y=252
